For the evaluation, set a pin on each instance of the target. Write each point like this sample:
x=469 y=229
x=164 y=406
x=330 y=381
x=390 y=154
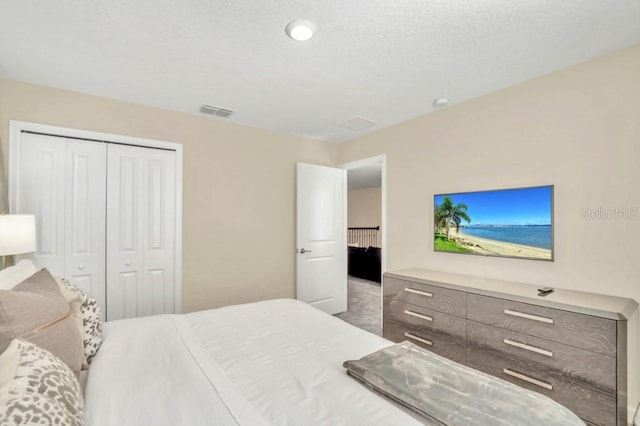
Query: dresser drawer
x=429 y=296
x=591 y=405
x=419 y=318
x=589 y=367
x=437 y=343
x=579 y=330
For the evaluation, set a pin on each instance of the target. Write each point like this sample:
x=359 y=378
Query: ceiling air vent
x=357 y=123
x=217 y=111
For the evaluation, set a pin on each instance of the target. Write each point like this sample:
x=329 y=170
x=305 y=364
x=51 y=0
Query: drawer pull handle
x=420 y=292
x=526 y=378
x=528 y=348
x=528 y=316
x=419 y=339
x=418 y=315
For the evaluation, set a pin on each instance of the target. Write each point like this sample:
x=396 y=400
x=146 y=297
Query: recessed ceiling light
x=440 y=102
x=301 y=30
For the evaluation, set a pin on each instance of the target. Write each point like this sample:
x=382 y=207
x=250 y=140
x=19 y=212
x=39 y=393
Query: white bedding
x=277 y=362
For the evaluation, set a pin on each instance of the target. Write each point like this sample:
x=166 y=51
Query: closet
x=106 y=217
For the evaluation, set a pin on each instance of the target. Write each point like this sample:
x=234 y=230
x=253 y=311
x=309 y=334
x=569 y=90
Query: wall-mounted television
x=515 y=222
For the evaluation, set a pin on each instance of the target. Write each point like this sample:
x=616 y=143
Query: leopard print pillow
x=42 y=389
x=34 y=409
x=92 y=322
x=91 y=319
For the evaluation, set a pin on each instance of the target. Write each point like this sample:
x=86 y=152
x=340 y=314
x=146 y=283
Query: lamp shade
x=17 y=234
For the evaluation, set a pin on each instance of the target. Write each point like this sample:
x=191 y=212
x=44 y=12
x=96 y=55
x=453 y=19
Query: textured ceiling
x=379 y=60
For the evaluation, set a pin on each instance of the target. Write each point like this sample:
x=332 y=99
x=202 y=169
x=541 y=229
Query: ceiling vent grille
x=217 y=111
x=358 y=123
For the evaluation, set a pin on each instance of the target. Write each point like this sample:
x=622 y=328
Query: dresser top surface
x=612 y=307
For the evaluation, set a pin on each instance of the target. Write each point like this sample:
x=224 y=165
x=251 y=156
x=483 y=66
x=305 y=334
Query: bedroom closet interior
x=106 y=218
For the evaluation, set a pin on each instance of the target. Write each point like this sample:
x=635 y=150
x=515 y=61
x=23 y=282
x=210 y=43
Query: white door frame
x=15 y=134
x=372 y=161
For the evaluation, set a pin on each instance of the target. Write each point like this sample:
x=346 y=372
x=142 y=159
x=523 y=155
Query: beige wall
x=578 y=129
x=239 y=188
x=365 y=209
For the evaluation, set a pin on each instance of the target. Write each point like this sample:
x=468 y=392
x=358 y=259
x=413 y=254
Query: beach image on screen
x=507 y=222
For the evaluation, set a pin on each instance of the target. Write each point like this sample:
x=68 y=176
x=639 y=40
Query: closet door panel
x=123 y=296
x=41 y=191
x=86 y=168
x=157 y=286
x=140 y=223
x=124 y=219
x=62 y=181
x=159 y=241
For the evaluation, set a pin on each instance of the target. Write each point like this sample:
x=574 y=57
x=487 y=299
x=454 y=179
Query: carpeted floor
x=363 y=305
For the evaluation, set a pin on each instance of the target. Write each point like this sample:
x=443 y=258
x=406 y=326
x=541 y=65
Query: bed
x=230 y=374
x=276 y=362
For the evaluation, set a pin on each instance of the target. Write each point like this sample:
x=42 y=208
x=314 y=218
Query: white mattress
x=276 y=362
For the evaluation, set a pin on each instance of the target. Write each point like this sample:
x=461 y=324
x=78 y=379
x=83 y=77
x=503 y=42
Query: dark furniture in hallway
x=364 y=262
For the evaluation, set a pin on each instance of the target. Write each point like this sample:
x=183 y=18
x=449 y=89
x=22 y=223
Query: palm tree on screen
x=447 y=214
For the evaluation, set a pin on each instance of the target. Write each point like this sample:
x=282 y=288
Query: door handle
x=303 y=251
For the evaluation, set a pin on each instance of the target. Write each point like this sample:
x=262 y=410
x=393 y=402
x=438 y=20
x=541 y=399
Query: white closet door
x=86 y=180
x=63 y=182
x=141 y=192
x=41 y=191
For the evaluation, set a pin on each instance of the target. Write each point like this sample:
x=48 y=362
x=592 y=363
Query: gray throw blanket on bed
x=453 y=394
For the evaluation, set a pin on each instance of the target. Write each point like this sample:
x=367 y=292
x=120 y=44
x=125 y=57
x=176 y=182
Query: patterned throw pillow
x=90 y=315
x=36 y=388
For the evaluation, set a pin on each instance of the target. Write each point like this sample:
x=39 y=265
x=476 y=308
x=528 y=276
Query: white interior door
x=321 y=237
x=141 y=192
x=62 y=182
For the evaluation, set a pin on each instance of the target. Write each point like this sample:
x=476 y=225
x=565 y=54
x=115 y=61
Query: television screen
x=507 y=222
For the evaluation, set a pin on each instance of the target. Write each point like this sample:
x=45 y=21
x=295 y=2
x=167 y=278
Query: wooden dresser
x=568 y=345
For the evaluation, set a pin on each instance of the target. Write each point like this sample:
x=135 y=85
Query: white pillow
x=14 y=275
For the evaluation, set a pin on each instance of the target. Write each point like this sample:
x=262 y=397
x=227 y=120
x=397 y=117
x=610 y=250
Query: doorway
x=366 y=242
